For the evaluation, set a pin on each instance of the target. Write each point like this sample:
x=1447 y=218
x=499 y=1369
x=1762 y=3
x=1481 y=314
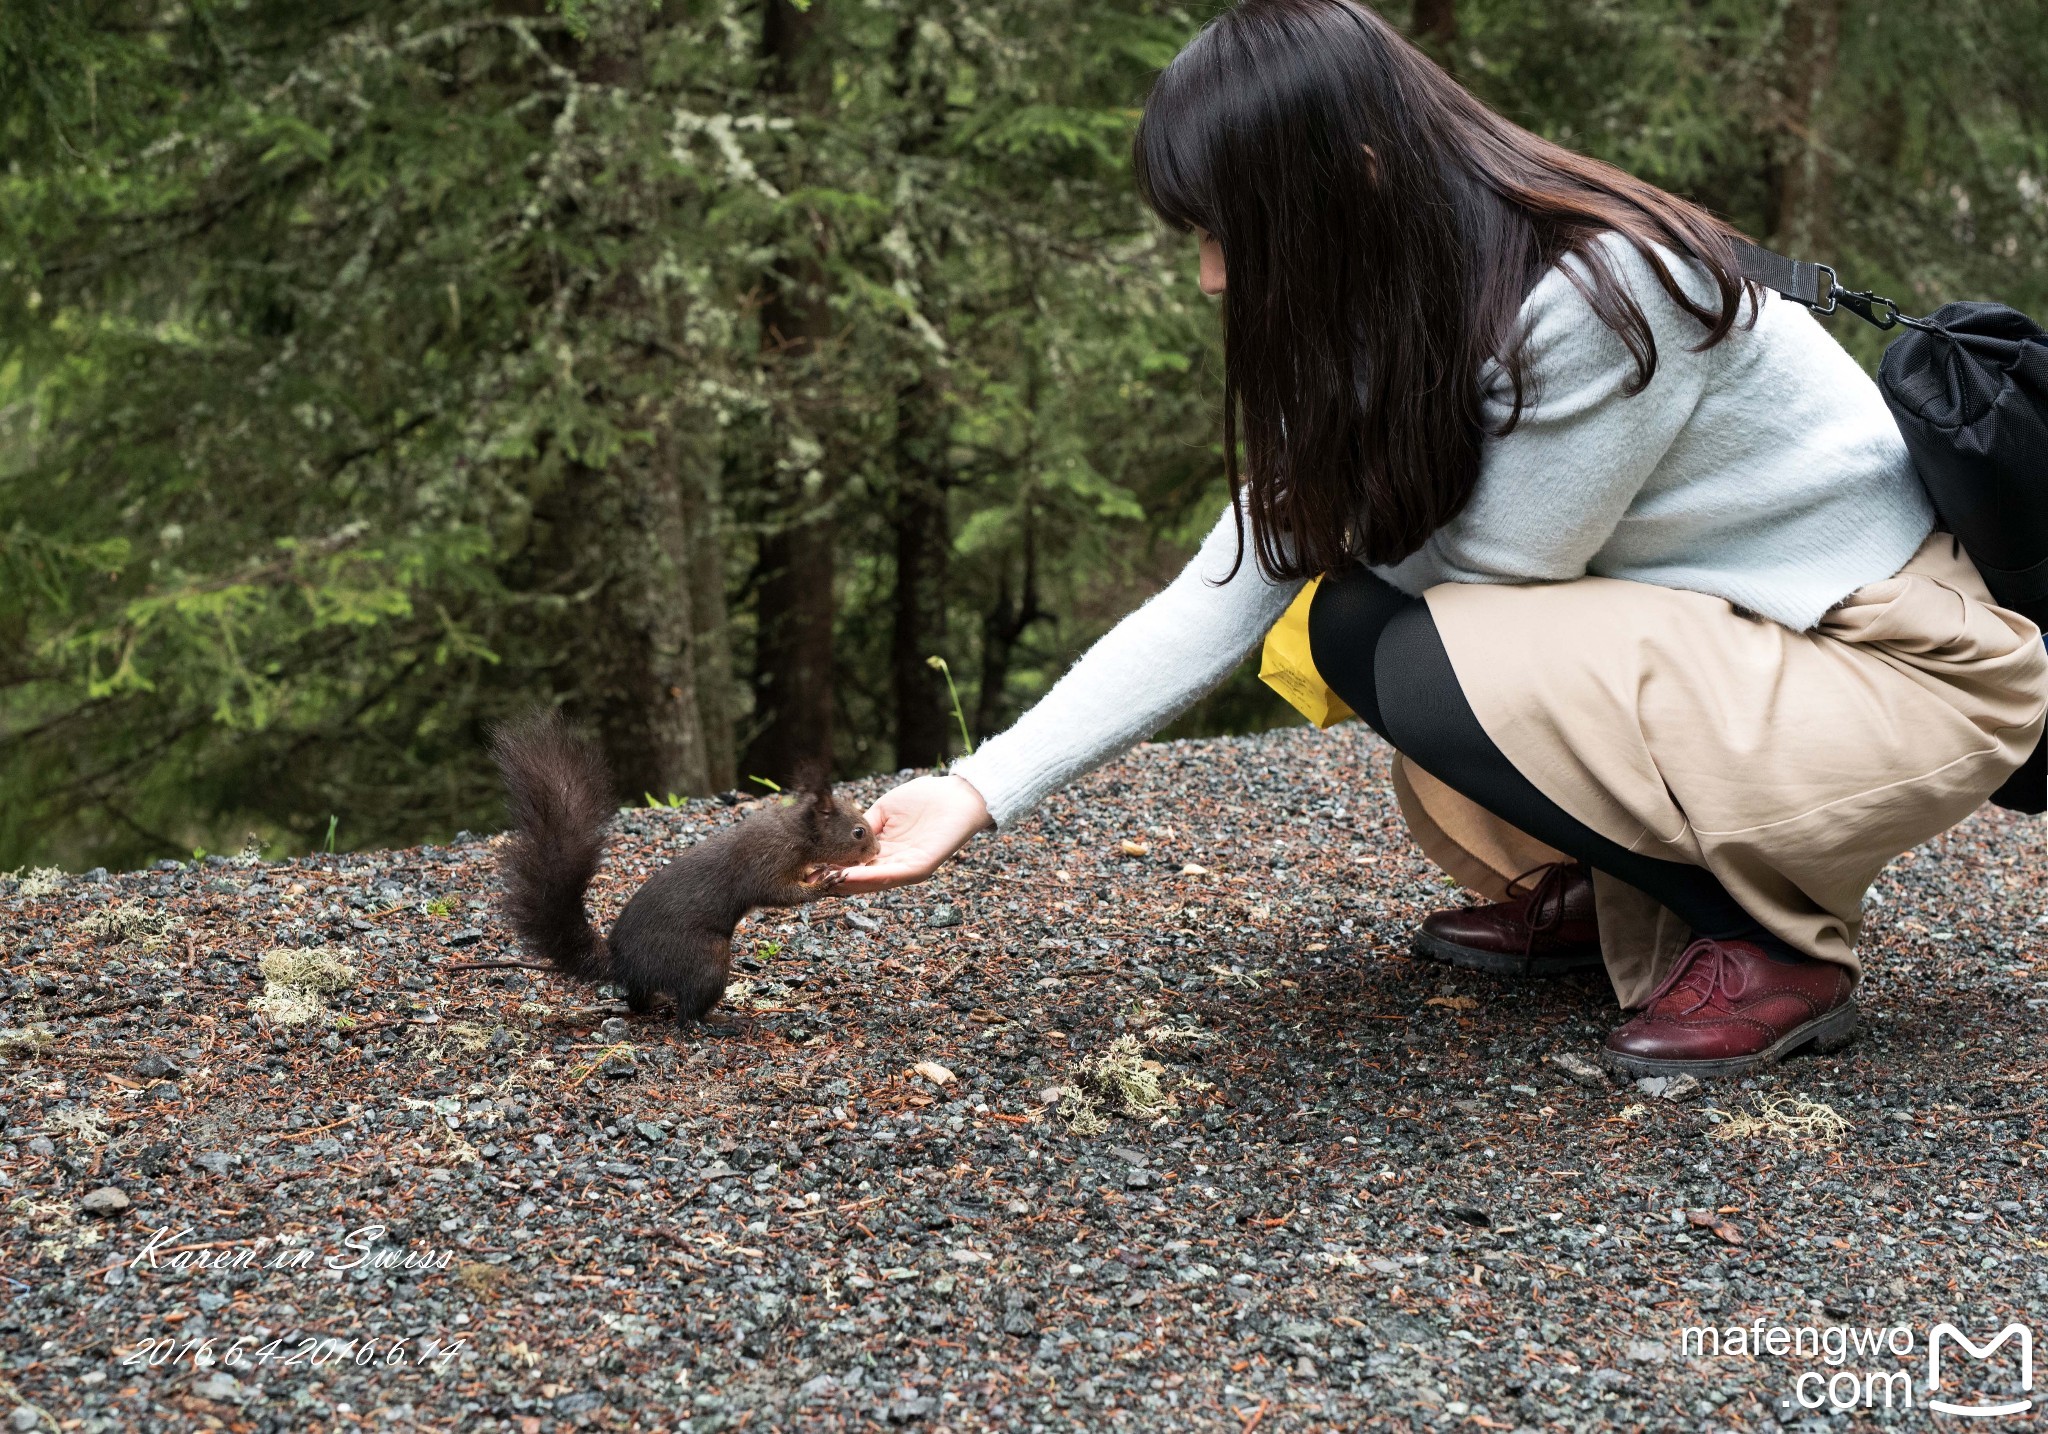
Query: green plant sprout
x=438 y=906
x=953 y=692
x=333 y=823
x=671 y=801
x=771 y=786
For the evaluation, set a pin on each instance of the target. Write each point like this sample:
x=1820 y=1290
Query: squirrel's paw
x=723 y=1024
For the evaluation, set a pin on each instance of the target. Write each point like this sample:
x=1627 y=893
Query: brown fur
x=675 y=935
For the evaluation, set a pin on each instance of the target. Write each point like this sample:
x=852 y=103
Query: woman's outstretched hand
x=917 y=826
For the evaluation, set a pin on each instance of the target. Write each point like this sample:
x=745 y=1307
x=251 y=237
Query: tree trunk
x=629 y=538
x=1002 y=626
x=923 y=543
x=625 y=537
x=923 y=531
x=1803 y=188
x=793 y=657
x=795 y=609
x=704 y=574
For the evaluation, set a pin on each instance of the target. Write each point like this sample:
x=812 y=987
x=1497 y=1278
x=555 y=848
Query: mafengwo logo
x=1948 y=1337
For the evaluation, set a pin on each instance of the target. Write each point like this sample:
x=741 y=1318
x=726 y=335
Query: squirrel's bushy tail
x=559 y=795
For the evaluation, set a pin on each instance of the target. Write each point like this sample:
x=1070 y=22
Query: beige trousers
x=1792 y=765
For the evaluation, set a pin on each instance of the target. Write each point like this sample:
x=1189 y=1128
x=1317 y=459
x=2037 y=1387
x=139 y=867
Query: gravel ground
x=1138 y=1117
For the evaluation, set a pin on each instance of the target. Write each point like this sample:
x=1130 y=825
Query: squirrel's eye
x=859 y=832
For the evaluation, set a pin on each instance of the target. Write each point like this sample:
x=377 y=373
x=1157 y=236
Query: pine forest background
x=372 y=370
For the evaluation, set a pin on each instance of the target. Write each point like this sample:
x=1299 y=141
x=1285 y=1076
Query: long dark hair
x=1381 y=228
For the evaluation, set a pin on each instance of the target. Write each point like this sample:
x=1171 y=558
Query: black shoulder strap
x=1810 y=284
x=1816 y=286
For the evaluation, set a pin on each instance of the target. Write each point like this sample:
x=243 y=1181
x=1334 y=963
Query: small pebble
x=1580 y=1070
x=1683 y=1087
x=107 y=1200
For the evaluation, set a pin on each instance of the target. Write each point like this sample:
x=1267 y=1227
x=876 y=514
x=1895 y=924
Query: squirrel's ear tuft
x=810 y=775
x=813 y=778
x=822 y=805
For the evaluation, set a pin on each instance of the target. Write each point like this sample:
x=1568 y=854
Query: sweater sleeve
x=1139 y=676
x=1552 y=491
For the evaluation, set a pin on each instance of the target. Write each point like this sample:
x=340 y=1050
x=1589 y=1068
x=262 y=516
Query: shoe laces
x=1703 y=958
x=1550 y=883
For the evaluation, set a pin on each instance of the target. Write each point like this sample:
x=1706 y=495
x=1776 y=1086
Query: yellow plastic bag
x=1290 y=670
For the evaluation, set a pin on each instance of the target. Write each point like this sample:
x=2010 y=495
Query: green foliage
x=359 y=365
x=1905 y=144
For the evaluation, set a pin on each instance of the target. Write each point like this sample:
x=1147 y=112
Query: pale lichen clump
x=42 y=881
x=1081 y=1112
x=56 y=1226
x=469 y=1037
x=434 y=1040
x=27 y=1041
x=82 y=1123
x=1792 y=1120
x=298 y=979
x=1120 y=1081
x=1167 y=1035
x=131 y=921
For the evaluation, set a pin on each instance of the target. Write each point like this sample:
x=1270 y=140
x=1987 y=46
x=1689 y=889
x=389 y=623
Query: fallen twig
x=101 y=1008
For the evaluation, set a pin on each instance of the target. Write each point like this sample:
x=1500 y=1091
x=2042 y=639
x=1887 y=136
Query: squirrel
x=675 y=934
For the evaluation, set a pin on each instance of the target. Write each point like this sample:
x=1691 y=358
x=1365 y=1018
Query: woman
x=1623 y=556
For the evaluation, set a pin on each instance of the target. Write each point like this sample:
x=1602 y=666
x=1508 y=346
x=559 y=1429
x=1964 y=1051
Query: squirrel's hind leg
x=700 y=982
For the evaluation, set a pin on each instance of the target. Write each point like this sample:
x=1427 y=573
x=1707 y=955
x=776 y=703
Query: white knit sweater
x=1766 y=470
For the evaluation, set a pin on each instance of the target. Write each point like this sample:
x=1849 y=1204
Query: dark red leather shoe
x=1726 y=1009
x=1545 y=928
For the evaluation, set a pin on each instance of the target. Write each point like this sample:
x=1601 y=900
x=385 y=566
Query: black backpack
x=1968 y=385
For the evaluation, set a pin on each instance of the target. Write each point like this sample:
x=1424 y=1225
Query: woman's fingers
x=917 y=826
x=884 y=871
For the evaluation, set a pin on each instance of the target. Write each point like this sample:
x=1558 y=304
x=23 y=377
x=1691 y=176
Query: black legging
x=1379 y=650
